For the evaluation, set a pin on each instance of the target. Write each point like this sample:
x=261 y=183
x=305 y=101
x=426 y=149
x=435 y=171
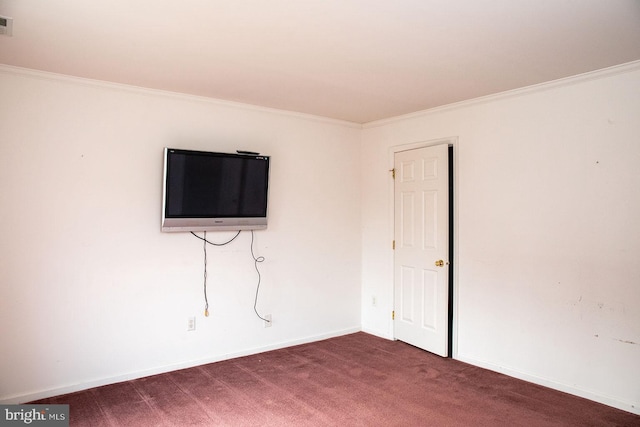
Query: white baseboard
x=377 y=333
x=43 y=394
x=634 y=408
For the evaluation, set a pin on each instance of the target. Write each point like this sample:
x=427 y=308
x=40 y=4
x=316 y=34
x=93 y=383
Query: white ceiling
x=356 y=60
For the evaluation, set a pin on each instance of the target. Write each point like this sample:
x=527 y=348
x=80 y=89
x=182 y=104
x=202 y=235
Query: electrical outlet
x=267 y=321
x=6 y=26
x=191 y=324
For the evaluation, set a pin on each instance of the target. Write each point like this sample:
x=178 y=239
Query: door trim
x=452 y=142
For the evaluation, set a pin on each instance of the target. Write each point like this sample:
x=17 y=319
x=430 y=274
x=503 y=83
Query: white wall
x=548 y=284
x=548 y=231
x=92 y=292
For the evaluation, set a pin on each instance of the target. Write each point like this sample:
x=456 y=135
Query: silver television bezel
x=207 y=224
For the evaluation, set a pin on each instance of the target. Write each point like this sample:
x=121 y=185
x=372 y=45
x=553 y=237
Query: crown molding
x=566 y=81
x=46 y=75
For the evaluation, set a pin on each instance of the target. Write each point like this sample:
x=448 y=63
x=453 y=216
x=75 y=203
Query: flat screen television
x=209 y=191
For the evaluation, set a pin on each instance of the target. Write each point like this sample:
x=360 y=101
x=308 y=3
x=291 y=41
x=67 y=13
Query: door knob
x=441 y=263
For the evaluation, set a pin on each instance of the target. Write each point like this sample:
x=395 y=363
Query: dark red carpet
x=353 y=380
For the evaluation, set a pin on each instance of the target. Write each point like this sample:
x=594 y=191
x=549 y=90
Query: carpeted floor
x=353 y=380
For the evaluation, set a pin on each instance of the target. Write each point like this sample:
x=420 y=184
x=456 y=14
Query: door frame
x=453 y=143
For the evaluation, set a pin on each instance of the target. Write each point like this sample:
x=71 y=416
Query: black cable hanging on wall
x=256 y=261
x=205 y=242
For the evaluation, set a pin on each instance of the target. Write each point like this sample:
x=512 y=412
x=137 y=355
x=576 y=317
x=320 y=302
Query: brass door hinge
x=393 y=173
x=393 y=244
x=393 y=315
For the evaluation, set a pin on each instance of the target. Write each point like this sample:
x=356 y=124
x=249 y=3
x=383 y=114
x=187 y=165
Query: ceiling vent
x=6 y=26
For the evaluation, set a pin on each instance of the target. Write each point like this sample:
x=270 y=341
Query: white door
x=421 y=273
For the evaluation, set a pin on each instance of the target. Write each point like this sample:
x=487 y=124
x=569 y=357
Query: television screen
x=206 y=191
